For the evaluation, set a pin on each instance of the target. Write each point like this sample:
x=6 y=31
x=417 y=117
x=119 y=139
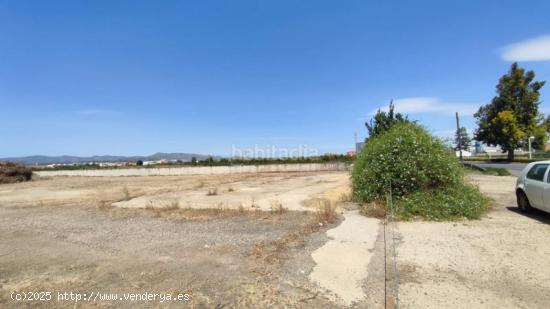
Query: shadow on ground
x=539 y=215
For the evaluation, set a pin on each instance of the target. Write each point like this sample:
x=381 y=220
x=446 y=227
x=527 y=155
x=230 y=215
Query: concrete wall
x=201 y=170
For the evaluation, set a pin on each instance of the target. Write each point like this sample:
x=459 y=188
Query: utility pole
x=530 y=150
x=458 y=137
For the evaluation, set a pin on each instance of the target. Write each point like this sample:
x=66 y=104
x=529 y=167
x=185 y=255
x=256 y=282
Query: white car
x=533 y=187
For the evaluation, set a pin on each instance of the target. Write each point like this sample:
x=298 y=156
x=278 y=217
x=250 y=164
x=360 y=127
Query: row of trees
x=508 y=121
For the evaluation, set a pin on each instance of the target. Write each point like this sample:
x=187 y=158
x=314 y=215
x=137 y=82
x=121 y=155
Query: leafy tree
x=506 y=123
x=194 y=160
x=139 y=163
x=513 y=115
x=383 y=121
x=546 y=124
x=465 y=140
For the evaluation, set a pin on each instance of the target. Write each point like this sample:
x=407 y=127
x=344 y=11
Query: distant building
x=359 y=146
x=490 y=151
x=465 y=153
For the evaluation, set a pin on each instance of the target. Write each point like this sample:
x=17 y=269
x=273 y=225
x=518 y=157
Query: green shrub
x=13 y=172
x=446 y=203
x=499 y=171
x=409 y=158
x=426 y=178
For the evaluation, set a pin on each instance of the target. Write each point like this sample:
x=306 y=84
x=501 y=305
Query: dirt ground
x=258 y=241
x=500 y=261
x=63 y=235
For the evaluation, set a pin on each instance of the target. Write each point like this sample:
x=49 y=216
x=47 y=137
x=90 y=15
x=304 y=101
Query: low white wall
x=201 y=170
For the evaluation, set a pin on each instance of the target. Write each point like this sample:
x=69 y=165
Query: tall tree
x=462 y=139
x=546 y=124
x=513 y=114
x=383 y=121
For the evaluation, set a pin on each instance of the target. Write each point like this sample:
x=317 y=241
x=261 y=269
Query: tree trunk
x=511 y=155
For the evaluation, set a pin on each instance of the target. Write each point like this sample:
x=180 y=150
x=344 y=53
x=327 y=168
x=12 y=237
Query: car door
x=535 y=185
x=546 y=193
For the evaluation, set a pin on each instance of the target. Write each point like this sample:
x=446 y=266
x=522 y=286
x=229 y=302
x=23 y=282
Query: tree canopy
x=513 y=114
x=384 y=121
x=464 y=142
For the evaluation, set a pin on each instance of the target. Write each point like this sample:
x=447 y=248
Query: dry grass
x=241 y=208
x=346 y=197
x=163 y=207
x=273 y=252
x=174 y=204
x=212 y=191
x=13 y=172
x=103 y=204
x=277 y=207
x=253 y=204
x=200 y=185
x=172 y=210
x=126 y=193
x=327 y=212
x=374 y=210
x=106 y=203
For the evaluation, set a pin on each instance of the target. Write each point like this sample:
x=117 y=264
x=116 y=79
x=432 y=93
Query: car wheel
x=523 y=202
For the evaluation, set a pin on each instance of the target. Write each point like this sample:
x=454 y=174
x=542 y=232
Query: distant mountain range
x=41 y=160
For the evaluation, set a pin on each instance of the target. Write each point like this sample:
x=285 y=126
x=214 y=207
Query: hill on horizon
x=65 y=159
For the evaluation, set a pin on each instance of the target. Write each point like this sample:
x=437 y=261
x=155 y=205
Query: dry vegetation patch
x=272 y=252
x=12 y=172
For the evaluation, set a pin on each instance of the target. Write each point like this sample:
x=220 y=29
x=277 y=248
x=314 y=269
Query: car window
x=537 y=172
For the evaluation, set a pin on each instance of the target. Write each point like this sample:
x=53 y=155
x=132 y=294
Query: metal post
x=459 y=138
x=530 y=147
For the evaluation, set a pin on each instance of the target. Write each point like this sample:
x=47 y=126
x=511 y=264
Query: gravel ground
x=69 y=242
x=62 y=235
x=500 y=261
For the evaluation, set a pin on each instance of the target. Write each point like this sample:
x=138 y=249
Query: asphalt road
x=514 y=168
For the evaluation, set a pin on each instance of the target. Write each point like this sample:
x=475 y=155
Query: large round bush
x=407 y=159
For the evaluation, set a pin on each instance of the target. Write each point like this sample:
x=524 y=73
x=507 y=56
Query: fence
x=201 y=170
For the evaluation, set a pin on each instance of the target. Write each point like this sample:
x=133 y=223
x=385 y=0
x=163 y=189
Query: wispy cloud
x=419 y=105
x=95 y=112
x=536 y=49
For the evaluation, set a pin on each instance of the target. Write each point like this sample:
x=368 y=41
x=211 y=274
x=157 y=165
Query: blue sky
x=137 y=77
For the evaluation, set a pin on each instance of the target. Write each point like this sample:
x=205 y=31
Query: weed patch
x=13 y=172
x=327 y=212
x=374 y=210
x=497 y=171
x=277 y=208
x=453 y=202
x=212 y=191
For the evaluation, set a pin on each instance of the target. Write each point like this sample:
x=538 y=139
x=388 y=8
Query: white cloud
x=419 y=105
x=95 y=112
x=536 y=49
